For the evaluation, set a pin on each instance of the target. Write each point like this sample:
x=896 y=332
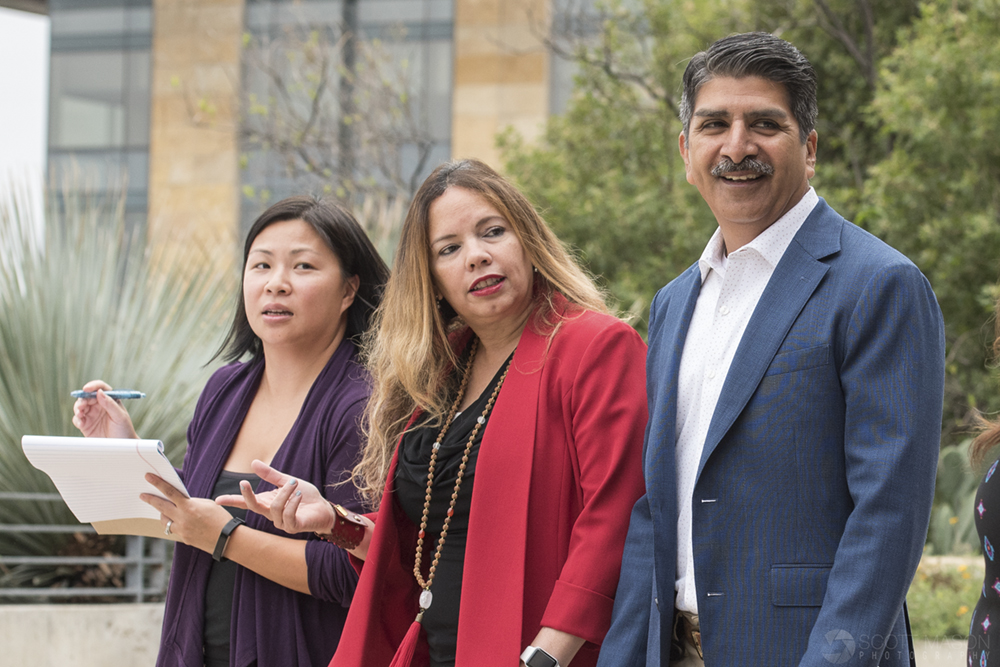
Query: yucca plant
x=81 y=299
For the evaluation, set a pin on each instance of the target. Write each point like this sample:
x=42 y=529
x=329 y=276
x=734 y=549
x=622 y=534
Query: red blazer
x=558 y=472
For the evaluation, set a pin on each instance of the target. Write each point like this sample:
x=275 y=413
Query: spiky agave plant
x=81 y=299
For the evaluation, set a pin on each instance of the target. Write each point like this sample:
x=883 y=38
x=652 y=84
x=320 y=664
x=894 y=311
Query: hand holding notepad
x=101 y=479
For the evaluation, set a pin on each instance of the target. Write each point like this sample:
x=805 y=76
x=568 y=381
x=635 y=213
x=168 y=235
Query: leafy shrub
x=942 y=597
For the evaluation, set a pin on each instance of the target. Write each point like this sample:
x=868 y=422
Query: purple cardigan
x=272 y=624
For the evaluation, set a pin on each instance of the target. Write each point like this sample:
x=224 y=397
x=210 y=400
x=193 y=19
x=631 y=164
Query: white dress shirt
x=731 y=287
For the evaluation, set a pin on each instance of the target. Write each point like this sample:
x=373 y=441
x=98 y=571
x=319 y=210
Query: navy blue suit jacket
x=814 y=489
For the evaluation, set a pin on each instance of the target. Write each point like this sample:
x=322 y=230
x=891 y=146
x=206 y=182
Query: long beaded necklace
x=425 y=595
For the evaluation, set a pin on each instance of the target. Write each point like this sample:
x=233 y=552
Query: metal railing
x=145 y=562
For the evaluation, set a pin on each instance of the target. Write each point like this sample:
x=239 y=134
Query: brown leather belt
x=686 y=627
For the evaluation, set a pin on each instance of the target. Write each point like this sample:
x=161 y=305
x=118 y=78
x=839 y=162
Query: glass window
x=86 y=102
x=98 y=170
x=89 y=21
x=136 y=170
x=561 y=74
x=99 y=99
x=269 y=16
x=437 y=86
x=440 y=10
x=138 y=66
x=574 y=23
x=391 y=11
x=428 y=66
x=414 y=44
x=139 y=19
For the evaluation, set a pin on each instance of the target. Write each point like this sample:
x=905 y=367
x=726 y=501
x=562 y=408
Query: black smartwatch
x=536 y=657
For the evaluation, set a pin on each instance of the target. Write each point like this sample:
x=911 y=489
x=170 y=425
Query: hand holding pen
x=102 y=416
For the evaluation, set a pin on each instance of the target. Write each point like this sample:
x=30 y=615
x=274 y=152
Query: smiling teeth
x=741 y=178
x=488 y=283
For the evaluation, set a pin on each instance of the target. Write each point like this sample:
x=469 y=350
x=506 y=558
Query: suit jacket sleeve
x=608 y=415
x=627 y=639
x=892 y=377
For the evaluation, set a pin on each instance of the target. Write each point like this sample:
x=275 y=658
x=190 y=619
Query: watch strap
x=348 y=528
x=227 y=530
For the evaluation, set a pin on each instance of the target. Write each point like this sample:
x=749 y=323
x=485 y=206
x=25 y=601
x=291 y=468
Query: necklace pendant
x=426 y=597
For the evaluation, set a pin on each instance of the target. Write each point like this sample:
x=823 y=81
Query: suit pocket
x=799 y=360
x=798 y=585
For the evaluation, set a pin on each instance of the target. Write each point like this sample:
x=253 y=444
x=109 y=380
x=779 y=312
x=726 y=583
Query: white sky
x=24 y=90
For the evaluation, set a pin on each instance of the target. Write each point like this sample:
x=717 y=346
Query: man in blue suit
x=795 y=380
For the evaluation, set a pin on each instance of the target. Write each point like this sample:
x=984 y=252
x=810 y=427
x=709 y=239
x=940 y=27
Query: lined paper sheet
x=101 y=479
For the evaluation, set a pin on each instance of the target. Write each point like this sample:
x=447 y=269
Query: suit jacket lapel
x=659 y=462
x=794 y=280
x=670 y=338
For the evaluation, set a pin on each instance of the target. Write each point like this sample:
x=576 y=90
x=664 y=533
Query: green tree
x=607 y=174
x=908 y=94
x=936 y=195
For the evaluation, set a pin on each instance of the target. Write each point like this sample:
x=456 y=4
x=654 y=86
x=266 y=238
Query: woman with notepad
x=241 y=591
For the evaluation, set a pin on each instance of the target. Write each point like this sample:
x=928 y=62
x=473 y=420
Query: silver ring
x=166 y=531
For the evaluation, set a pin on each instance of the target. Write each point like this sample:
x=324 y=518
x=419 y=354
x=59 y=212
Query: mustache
x=727 y=166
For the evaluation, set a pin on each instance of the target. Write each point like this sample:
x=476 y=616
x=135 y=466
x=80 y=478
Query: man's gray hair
x=759 y=54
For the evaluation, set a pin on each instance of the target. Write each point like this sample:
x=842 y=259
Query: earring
x=439 y=300
x=535 y=269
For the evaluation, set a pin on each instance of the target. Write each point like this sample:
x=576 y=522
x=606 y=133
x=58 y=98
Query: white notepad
x=101 y=479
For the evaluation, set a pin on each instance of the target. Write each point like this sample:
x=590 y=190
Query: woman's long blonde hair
x=989 y=429
x=408 y=350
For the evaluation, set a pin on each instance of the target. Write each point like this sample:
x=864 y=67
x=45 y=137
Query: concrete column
x=194 y=177
x=82 y=635
x=501 y=74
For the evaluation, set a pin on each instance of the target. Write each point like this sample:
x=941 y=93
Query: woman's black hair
x=348 y=241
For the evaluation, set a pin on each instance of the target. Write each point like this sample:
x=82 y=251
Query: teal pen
x=117 y=394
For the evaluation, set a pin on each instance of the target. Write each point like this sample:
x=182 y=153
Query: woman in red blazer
x=504 y=442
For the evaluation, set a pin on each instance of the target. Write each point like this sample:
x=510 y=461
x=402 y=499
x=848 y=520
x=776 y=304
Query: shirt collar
x=769 y=244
